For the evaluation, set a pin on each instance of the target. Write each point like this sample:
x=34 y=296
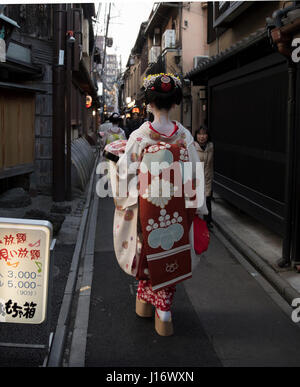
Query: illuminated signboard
x=24 y=270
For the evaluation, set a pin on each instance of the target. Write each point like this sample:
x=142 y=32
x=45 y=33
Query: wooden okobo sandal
x=143 y=308
x=163 y=328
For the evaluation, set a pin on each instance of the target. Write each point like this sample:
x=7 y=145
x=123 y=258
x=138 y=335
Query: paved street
x=37 y=334
x=222 y=316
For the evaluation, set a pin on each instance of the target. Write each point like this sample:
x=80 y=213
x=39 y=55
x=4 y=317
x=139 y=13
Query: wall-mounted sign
x=24 y=270
x=109 y=42
x=61 y=57
x=2 y=49
x=88 y=101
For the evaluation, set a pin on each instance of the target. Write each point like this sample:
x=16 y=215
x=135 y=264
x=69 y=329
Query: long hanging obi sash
x=164 y=220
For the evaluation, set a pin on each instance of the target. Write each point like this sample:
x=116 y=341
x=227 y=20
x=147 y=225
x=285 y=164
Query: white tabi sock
x=164 y=316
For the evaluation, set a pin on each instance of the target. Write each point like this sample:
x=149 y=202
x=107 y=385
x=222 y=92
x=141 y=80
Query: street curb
x=58 y=342
x=281 y=285
x=80 y=330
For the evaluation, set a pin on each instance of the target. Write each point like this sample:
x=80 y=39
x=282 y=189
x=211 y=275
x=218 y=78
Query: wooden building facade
x=251 y=96
x=28 y=101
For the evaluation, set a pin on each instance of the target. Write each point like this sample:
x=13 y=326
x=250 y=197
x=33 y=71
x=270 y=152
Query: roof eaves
x=228 y=52
x=155 y=15
x=140 y=38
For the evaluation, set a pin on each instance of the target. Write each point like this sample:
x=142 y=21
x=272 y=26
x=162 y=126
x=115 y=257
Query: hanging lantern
x=88 y=101
x=136 y=110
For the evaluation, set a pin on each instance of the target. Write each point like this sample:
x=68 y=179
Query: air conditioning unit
x=199 y=59
x=154 y=53
x=168 y=39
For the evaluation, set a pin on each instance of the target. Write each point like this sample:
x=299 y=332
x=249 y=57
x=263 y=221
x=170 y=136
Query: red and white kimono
x=153 y=232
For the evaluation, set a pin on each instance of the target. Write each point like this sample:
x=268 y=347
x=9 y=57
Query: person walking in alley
x=205 y=151
x=153 y=231
x=113 y=132
x=134 y=122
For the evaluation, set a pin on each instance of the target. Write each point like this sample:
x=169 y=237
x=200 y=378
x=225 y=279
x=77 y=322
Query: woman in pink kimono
x=157 y=199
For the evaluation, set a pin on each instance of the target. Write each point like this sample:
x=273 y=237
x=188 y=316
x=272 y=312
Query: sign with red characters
x=24 y=270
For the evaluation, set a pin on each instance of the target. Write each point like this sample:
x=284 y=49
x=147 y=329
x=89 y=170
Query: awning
x=159 y=17
x=21 y=87
x=21 y=69
x=9 y=21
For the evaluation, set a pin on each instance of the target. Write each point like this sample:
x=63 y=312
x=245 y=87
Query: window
x=226 y=11
x=220 y=14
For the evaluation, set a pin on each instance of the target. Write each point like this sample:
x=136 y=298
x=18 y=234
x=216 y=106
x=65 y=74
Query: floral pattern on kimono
x=161 y=299
x=126 y=231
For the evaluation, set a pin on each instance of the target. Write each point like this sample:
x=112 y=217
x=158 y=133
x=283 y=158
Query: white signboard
x=24 y=270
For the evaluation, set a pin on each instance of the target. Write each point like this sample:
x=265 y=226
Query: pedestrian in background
x=114 y=132
x=102 y=132
x=135 y=122
x=205 y=149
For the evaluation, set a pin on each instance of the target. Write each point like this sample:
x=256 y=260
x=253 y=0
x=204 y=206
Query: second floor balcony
x=157 y=67
x=169 y=61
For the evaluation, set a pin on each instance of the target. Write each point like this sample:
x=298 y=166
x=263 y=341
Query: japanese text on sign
x=24 y=270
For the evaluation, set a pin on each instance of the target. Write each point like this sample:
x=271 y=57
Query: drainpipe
x=69 y=50
x=290 y=169
x=58 y=135
x=282 y=37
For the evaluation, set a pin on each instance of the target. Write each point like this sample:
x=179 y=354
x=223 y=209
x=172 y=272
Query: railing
x=157 y=67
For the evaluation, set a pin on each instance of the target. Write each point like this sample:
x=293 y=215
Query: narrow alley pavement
x=222 y=316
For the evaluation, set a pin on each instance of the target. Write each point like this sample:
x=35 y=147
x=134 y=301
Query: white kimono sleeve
x=198 y=176
x=124 y=178
x=200 y=202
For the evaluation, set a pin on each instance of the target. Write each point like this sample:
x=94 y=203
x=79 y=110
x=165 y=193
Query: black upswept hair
x=115 y=118
x=161 y=98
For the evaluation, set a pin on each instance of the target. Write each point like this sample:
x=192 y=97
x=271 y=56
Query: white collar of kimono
x=115 y=129
x=175 y=129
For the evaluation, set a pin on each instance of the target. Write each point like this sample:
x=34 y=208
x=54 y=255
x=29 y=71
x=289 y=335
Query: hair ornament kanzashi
x=150 y=79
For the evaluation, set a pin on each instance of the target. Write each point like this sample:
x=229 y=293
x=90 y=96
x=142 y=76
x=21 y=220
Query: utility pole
x=104 y=56
x=105 y=39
